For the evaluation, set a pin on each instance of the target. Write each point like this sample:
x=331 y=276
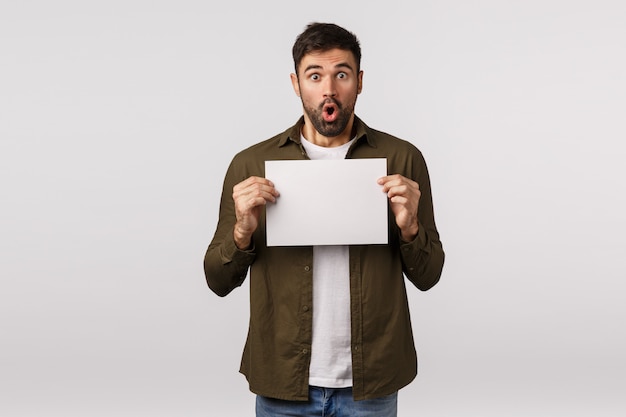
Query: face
x=328 y=84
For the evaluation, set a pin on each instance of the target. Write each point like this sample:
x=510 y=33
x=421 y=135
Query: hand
x=249 y=196
x=404 y=195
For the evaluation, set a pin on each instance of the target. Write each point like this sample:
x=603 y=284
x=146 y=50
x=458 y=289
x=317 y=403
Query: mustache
x=330 y=101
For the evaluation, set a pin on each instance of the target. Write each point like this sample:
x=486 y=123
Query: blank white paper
x=327 y=202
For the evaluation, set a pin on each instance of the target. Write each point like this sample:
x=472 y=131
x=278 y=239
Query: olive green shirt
x=277 y=351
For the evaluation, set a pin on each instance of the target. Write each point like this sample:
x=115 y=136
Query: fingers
x=254 y=191
x=398 y=185
x=248 y=196
x=404 y=195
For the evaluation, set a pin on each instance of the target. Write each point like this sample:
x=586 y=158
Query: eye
x=314 y=77
x=342 y=75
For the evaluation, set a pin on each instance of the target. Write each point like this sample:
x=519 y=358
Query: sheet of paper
x=327 y=202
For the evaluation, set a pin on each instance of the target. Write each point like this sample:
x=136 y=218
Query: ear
x=360 y=85
x=294 y=84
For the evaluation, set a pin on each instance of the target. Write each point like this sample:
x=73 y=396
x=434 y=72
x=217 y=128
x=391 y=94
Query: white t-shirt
x=331 y=353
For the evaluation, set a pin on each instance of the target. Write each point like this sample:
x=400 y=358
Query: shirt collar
x=294 y=132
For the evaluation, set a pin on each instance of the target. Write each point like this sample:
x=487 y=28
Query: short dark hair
x=323 y=37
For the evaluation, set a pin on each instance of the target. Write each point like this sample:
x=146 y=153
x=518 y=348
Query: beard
x=334 y=128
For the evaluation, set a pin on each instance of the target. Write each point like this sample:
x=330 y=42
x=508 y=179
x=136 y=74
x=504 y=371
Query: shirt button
x=305 y=308
x=307 y=268
x=305 y=351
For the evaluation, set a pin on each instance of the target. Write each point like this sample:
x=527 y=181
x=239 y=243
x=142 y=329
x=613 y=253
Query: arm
x=411 y=204
x=231 y=251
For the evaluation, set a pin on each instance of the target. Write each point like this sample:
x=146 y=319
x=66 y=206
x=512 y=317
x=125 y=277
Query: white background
x=117 y=122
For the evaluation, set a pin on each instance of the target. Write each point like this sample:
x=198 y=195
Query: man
x=330 y=331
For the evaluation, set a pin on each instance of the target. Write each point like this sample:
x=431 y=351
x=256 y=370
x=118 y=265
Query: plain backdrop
x=118 y=120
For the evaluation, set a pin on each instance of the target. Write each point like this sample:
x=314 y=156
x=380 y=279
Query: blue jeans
x=328 y=402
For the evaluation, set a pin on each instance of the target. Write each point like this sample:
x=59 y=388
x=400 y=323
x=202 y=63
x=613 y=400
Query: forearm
x=225 y=265
x=423 y=259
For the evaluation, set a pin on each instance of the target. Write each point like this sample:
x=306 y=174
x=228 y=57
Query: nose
x=329 y=88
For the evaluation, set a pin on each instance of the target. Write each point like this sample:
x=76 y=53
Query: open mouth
x=330 y=112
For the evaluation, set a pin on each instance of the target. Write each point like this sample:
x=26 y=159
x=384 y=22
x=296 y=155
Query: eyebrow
x=340 y=65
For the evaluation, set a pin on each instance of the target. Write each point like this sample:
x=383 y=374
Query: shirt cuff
x=419 y=243
x=231 y=253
